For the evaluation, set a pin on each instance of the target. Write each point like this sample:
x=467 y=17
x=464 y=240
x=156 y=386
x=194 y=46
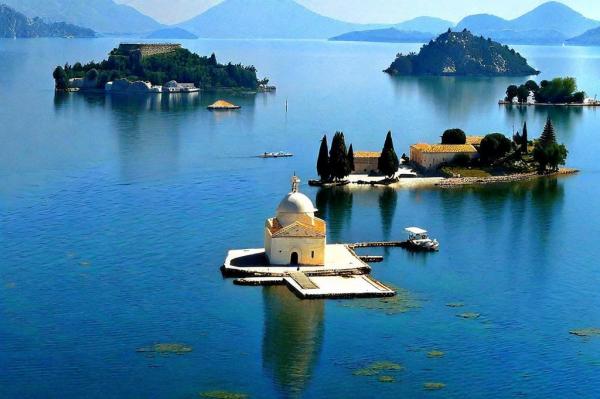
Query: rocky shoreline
x=468 y=181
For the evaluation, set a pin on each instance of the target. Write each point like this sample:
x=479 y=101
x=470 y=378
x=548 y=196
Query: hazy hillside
x=550 y=23
x=14 y=24
x=389 y=35
x=100 y=15
x=266 y=19
x=425 y=24
x=589 y=38
x=171 y=33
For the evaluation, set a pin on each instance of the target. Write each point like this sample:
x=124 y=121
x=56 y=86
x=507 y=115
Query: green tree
x=522 y=93
x=511 y=92
x=531 y=85
x=548 y=135
x=524 y=139
x=351 y=158
x=388 y=162
x=338 y=157
x=547 y=152
x=454 y=136
x=323 y=168
x=493 y=147
x=60 y=78
x=92 y=74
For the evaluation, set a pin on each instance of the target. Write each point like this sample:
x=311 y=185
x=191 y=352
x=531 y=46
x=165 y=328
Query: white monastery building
x=295 y=236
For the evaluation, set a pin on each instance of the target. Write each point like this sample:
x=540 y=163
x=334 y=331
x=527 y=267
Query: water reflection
x=335 y=206
x=292 y=339
x=565 y=119
x=450 y=95
x=388 y=200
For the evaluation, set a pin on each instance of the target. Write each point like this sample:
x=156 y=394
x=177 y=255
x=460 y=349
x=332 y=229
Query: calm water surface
x=117 y=212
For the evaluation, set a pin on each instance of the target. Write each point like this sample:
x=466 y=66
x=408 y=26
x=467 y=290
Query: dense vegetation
x=180 y=65
x=13 y=24
x=555 y=91
x=500 y=155
x=462 y=54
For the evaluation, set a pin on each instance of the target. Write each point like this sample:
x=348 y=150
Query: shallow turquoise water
x=116 y=214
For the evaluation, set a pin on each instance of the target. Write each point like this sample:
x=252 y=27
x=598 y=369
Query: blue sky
x=385 y=11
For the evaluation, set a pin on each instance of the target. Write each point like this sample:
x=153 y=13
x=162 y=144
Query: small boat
x=419 y=240
x=279 y=154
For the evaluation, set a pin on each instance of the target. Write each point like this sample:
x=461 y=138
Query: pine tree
x=524 y=139
x=338 y=157
x=323 y=168
x=548 y=136
x=351 y=158
x=388 y=163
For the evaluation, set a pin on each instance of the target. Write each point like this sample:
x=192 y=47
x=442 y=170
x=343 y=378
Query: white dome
x=296 y=203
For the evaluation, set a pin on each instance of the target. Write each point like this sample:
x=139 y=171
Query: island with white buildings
x=296 y=254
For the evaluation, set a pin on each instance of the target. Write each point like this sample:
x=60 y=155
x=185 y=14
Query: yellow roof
x=222 y=104
x=445 y=148
x=474 y=140
x=367 y=154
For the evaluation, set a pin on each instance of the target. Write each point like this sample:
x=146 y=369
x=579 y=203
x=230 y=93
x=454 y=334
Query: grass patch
x=433 y=386
x=460 y=171
x=586 y=332
x=223 y=395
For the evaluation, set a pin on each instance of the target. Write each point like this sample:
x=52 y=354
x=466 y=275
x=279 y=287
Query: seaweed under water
x=586 y=332
x=376 y=368
x=166 y=349
x=433 y=386
x=404 y=301
x=223 y=395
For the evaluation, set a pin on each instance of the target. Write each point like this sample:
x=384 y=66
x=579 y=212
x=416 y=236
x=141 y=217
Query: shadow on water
x=388 y=199
x=292 y=340
x=335 y=206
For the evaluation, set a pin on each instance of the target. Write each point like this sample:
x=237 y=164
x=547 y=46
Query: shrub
x=493 y=147
x=454 y=136
x=461 y=160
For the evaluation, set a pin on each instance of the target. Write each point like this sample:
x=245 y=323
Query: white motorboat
x=418 y=239
x=279 y=154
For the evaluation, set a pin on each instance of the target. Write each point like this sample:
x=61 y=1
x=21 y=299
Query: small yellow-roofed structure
x=431 y=156
x=222 y=105
x=366 y=162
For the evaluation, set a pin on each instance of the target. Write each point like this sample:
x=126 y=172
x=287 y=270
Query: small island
x=462 y=54
x=155 y=68
x=558 y=91
x=458 y=160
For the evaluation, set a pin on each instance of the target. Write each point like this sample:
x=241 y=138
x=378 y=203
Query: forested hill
x=462 y=54
x=181 y=65
x=13 y=24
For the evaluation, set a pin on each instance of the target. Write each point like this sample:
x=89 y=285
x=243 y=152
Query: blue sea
x=117 y=212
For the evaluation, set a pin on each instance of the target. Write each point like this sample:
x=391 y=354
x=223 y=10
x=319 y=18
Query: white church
x=295 y=237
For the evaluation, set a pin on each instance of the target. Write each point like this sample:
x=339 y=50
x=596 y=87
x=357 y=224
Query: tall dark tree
x=511 y=92
x=60 y=78
x=351 y=158
x=323 y=168
x=388 y=162
x=338 y=157
x=524 y=139
x=548 y=136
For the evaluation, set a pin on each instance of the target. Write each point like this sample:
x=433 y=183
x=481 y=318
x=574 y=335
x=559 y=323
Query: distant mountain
x=425 y=24
x=389 y=35
x=462 y=54
x=589 y=38
x=171 y=33
x=100 y=15
x=14 y=24
x=266 y=19
x=550 y=23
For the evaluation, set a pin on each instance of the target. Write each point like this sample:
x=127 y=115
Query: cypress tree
x=338 y=157
x=388 y=163
x=351 y=158
x=524 y=139
x=323 y=169
x=548 y=136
